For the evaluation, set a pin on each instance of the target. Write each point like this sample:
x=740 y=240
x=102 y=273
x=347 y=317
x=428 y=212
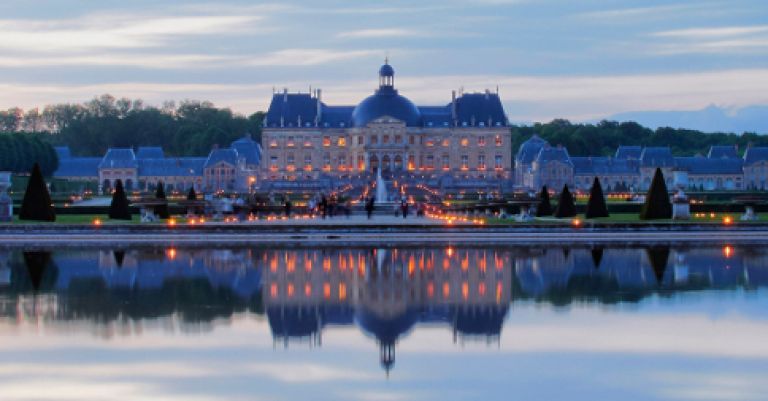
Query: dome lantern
x=386 y=75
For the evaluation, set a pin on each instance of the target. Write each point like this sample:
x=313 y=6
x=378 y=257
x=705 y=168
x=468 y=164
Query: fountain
x=6 y=204
x=381 y=188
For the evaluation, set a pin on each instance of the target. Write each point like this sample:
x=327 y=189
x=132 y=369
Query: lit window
x=446 y=142
x=307 y=162
x=307 y=143
x=464 y=141
x=361 y=162
x=290 y=142
x=342 y=163
x=342 y=141
x=481 y=162
x=446 y=162
x=480 y=141
x=326 y=141
x=464 y=162
x=430 y=143
x=498 y=140
x=273 y=143
x=273 y=163
x=430 y=162
x=411 y=162
x=327 y=162
x=498 y=164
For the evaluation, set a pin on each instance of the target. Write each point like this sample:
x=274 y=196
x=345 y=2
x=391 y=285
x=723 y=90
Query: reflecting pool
x=436 y=323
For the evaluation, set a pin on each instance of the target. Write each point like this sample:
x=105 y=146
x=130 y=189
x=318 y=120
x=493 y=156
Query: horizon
x=581 y=62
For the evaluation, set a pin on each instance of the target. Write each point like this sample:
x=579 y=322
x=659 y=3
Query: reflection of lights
x=326 y=290
x=342 y=291
x=449 y=252
x=446 y=290
x=431 y=289
x=712 y=215
x=481 y=289
x=172 y=222
x=499 y=288
x=307 y=290
x=465 y=290
x=728 y=251
x=171 y=252
x=290 y=289
x=273 y=290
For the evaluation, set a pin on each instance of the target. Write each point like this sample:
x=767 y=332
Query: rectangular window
x=446 y=162
x=464 y=141
x=341 y=142
x=273 y=143
x=430 y=143
x=411 y=140
x=385 y=139
x=307 y=162
x=342 y=163
x=481 y=141
x=273 y=163
x=361 y=162
x=498 y=163
x=326 y=141
x=464 y=162
x=430 y=162
x=498 y=141
x=289 y=143
x=374 y=139
x=327 y=162
x=411 y=162
x=446 y=142
x=398 y=139
x=481 y=162
x=307 y=142
x=360 y=140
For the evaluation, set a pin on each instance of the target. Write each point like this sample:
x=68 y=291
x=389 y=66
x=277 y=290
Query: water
x=447 y=323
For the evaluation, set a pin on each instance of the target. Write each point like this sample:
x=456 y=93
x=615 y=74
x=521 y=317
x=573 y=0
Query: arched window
x=398 y=163
x=385 y=163
x=374 y=162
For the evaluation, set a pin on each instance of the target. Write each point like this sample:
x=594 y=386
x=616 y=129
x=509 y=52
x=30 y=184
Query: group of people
x=328 y=206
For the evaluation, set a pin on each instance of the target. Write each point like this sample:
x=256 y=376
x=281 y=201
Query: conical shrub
x=657 y=204
x=565 y=205
x=545 y=206
x=192 y=195
x=161 y=210
x=37 y=204
x=119 y=208
x=596 y=204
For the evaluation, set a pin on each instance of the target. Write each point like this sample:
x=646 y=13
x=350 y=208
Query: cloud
x=635 y=12
x=713 y=32
x=306 y=57
x=112 y=31
x=379 y=33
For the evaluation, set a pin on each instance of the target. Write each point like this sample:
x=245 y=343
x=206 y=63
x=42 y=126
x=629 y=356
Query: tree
x=37 y=204
x=119 y=208
x=545 y=206
x=161 y=210
x=565 y=204
x=657 y=204
x=596 y=204
x=192 y=195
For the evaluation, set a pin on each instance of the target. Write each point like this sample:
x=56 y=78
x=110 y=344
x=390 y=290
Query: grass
x=620 y=218
x=78 y=219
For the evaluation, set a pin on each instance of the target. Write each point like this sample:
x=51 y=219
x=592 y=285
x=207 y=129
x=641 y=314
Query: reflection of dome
x=387 y=331
x=386 y=102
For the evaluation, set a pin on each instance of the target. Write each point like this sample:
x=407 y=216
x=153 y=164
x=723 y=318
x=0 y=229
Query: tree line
x=603 y=138
x=20 y=151
x=189 y=128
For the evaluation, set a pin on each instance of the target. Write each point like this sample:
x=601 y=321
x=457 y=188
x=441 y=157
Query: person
x=397 y=209
x=348 y=207
x=404 y=208
x=369 y=206
x=287 y=208
x=323 y=205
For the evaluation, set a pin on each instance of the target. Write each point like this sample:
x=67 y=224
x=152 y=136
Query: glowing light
x=171 y=252
x=465 y=290
x=431 y=289
x=576 y=222
x=342 y=291
x=273 y=290
x=307 y=290
x=446 y=290
x=481 y=289
x=727 y=251
x=172 y=222
x=712 y=215
x=290 y=289
x=449 y=252
x=97 y=222
x=727 y=220
x=326 y=290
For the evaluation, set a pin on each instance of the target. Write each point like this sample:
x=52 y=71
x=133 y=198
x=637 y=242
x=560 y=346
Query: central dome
x=386 y=102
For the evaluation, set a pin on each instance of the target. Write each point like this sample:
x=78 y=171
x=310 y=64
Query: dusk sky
x=550 y=58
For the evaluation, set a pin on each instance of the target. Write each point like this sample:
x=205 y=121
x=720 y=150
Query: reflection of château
x=386 y=292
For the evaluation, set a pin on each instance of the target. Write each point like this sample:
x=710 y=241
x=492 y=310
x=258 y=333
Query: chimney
x=453 y=106
x=319 y=114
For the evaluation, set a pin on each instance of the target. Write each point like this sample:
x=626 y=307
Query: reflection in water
x=385 y=292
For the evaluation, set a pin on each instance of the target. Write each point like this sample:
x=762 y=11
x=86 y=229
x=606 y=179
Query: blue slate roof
x=78 y=167
x=222 y=155
x=150 y=152
x=703 y=165
x=628 y=152
x=723 y=152
x=119 y=158
x=436 y=116
x=755 y=154
x=530 y=149
x=248 y=148
x=62 y=152
x=657 y=157
x=386 y=101
x=176 y=167
x=287 y=109
x=549 y=153
x=480 y=108
x=472 y=109
x=336 y=116
x=603 y=166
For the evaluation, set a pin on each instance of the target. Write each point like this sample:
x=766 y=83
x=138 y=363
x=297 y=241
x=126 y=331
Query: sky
x=581 y=60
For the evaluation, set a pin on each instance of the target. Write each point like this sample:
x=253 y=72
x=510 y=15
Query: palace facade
x=305 y=139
